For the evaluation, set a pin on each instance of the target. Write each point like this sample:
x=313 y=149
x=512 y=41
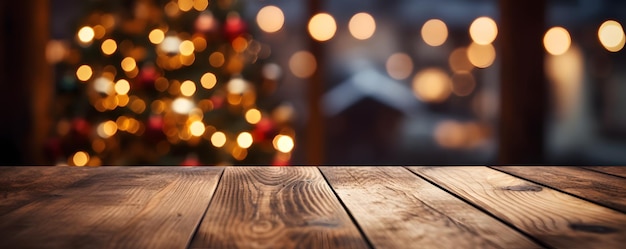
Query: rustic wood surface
x=423 y=214
x=312 y=207
x=276 y=207
x=558 y=219
x=607 y=190
x=612 y=170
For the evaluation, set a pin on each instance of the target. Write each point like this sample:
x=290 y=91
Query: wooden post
x=25 y=81
x=315 y=130
x=523 y=92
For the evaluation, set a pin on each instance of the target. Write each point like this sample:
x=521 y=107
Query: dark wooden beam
x=315 y=130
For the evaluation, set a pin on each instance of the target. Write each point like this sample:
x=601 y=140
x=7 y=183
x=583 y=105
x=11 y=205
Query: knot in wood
x=531 y=188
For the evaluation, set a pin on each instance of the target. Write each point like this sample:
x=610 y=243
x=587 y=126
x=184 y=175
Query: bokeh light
x=107 y=129
x=399 y=66
x=128 y=64
x=182 y=105
x=208 y=80
x=186 y=47
x=187 y=88
x=483 y=30
x=253 y=116
x=283 y=143
x=322 y=27
x=302 y=64
x=80 y=158
x=432 y=85
x=108 y=46
x=196 y=128
x=611 y=36
x=270 y=19
x=84 y=72
x=218 y=139
x=434 y=32
x=557 y=40
x=459 y=62
x=122 y=87
x=86 y=34
x=481 y=56
x=463 y=83
x=156 y=36
x=244 y=140
x=362 y=26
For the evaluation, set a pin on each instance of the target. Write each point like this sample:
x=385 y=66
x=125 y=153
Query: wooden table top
x=313 y=207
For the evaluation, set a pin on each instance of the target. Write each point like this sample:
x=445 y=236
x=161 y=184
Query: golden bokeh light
x=244 y=140
x=122 y=87
x=450 y=134
x=216 y=59
x=459 y=62
x=186 y=47
x=283 y=143
x=80 y=158
x=182 y=105
x=128 y=64
x=434 y=32
x=199 y=43
x=84 y=73
x=239 y=44
x=463 y=83
x=611 y=36
x=218 y=139
x=156 y=36
x=432 y=85
x=108 y=46
x=270 y=19
x=208 y=80
x=187 y=88
x=399 y=66
x=362 y=26
x=253 y=116
x=302 y=64
x=86 y=34
x=138 y=106
x=185 y=5
x=196 y=128
x=557 y=40
x=483 y=30
x=98 y=31
x=322 y=27
x=481 y=56
x=107 y=129
x=200 y=5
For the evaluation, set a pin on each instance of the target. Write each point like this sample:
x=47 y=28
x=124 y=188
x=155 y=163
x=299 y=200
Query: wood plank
x=276 y=207
x=607 y=190
x=22 y=185
x=397 y=209
x=134 y=207
x=560 y=220
x=612 y=170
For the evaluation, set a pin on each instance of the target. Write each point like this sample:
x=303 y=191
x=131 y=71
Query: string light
x=322 y=27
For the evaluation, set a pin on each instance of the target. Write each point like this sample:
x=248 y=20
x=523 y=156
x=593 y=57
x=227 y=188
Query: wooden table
x=313 y=207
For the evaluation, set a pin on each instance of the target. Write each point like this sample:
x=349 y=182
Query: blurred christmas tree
x=167 y=83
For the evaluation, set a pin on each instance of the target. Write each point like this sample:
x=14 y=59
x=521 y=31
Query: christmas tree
x=167 y=83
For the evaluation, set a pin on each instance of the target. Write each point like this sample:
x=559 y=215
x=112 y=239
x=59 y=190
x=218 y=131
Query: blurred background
x=341 y=82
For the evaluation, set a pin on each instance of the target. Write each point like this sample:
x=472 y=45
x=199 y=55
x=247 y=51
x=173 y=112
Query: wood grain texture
x=560 y=220
x=22 y=185
x=607 y=190
x=134 y=207
x=397 y=209
x=612 y=170
x=276 y=207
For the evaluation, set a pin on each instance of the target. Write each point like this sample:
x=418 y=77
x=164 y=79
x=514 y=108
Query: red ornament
x=191 y=160
x=154 y=128
x=263 y=130
x=217 y=101
x=234 y=26
x=147 y=76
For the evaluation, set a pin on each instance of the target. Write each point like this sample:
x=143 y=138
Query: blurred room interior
x=332 y=82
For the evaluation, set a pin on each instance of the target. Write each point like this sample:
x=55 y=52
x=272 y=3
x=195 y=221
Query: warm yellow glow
x=244 y=140
x=187 y=88
x=557 y=40
x=86 y=34
x=138 y=106
x=399 y=66
x=362 y=26
x=431 y=85
x=200 y=5
x=196 y=128
x=98 y=31
x=122 y=87
x=216 y=59
x=84 y=72
x=218 y=139
x=98 y=145
x=483 y=30
x=239 y=44
x=128 y=64
x=322 y=27
x=122 y=100
x=182 y=105
x=156 y=36
x=199 y=43
x=253 y=116
x=239 y=153
x=463 y=83
x=283 y=143
x=56 y=51
x=566 y=73
x=450 y=134
x=80 y=158
x=270 y=19
x=161 y=84
x=302 y=64
x=208 y=80
x=481 y=56
x=186 y=47
x=434 y=32
x=170 y=44
x=459 y=62
x=611 y=36
x=107 y=129
x=171 y=9
x=236 y=86
x=108 y=46
x=185 y=5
